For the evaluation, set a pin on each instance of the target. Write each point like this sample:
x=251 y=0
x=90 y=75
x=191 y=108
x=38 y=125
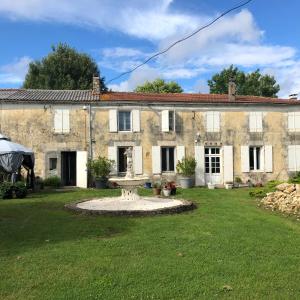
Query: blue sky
x=119 y=34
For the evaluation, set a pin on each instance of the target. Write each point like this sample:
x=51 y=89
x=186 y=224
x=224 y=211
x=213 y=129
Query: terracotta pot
x=156 y=191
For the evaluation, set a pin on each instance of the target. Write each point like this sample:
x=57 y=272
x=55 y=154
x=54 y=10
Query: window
x=254 y=158
x=213 y=121
x=255 y=121
x=52 y=163
x=122 y=160
x=171 y=120
x=61 y=121
x=124 y=121
x=212 y=160
x=167 y=159
x=294 y=121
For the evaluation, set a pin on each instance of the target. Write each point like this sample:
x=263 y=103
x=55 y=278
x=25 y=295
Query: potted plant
x=166 y=190
x=100 y=169
x=237 y=181
x=156 y=186
x=228 y=185
x=173 y=187
x=186 y=167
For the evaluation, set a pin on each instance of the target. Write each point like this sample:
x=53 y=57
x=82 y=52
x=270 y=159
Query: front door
x=212 y=156
x=68 y=168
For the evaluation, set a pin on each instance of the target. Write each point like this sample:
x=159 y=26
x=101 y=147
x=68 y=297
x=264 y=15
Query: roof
x=87 y=96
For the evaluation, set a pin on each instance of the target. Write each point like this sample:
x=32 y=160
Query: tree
x=64 y=68
x=159 y=86
x=253 y=83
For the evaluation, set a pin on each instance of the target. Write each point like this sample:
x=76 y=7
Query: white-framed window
x=124 y=120
x=255 y=154
x=213 y=121
x=168 y=120
x=61 y=120
x=168 y=159
x=294 y=121
x=52 y=163
x=255 y=121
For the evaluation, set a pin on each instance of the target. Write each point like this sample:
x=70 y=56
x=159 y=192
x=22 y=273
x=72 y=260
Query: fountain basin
x=124 y=181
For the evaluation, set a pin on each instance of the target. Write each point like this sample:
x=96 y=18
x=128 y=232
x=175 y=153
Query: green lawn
x=47 y=252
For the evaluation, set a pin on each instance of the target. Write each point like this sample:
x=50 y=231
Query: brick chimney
x=293 y=96
x=231 y=90
x=96 y=85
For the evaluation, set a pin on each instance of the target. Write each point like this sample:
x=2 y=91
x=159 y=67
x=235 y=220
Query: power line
x=181 y=40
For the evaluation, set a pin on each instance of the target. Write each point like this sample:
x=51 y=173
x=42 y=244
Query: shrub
x=20 y=189
x=52 y=181
x=257 y=193
x=295 y=178
x=6 y=190
x=186 y=166
x=272 y=184
x=238 y=180
x=100 y=167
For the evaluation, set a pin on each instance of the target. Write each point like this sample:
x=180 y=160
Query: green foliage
x=20 y=189
x=53 y=181
x=6 y=190
x=100 y=167
x=253 y=83
x=238 y=180
x=64 y=68
x=295 y=178
x=186 y=166
x=157 y=185
x=272 y=184
x=258 y=193
x=159 y=86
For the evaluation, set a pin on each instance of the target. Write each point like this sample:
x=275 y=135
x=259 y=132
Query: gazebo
x=13 y=156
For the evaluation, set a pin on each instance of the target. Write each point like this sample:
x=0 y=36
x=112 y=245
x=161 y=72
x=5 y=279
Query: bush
x=257 y=193
x=20 y=189
x=186 y=166
x=52 y=181
x=295 y=179
x=273 y=183
x=6 y=190
x=100 y=167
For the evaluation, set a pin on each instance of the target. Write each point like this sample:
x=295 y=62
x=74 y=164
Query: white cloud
x=14 y=73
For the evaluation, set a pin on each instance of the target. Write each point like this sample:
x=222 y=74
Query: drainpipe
x=90 y=132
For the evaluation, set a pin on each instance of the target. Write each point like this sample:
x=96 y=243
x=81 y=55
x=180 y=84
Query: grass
x=227 y=248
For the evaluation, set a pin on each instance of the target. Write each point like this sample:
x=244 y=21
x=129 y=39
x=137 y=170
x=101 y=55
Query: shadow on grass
x=41 y=218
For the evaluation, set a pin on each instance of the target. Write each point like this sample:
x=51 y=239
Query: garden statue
x=128 y=153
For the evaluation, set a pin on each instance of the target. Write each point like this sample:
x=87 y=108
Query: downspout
x=90 y=132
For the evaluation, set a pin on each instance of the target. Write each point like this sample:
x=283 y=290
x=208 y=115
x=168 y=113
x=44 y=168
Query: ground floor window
x=167 y=159
x=212 y=160
x=254 y=158
x=52 y=163
x=122 y=160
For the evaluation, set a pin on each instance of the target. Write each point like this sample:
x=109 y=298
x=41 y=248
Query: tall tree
x=159 y=86
x=253 y=83
x=63 y=68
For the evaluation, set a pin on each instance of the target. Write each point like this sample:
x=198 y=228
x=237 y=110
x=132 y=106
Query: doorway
x=122 y=160
x=212 y=156
x=68 y=168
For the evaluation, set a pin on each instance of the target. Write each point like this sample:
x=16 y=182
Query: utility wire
x=183 y=39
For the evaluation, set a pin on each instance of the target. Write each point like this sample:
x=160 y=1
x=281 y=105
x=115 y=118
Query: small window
x=171 y=120
x=124 y=121
x=254 y=158
x=52 y=163
x=167 y=159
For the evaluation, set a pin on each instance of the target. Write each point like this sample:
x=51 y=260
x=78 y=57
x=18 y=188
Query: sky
x=119 y=34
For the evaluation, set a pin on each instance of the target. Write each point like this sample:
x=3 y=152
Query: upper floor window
x=167 y=120
x=124 y=121
x=61 y=121
x=213 y=121
x=294 y=121
x=255 y=121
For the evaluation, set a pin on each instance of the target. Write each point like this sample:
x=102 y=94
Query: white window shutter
x=113 y=120
x=66 y=121
x=199 y=172
x=216 y=121
x=113 y=155
x=156 y=160
x=136 y=120
x=297 y=157
x=58 y=120
x=165 y=121
x=245 y=159
x=228 y=163
x=210 y=121
x=259 y=117
x=297 y=121
x=268 y=151
x=180 y=153
x=81 y=169
x=252 y=122
x=291 y=121
x=138 y=160
x=292 y=158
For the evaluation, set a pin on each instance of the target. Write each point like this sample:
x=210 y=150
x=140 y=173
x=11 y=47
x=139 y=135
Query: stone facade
x=32 y=124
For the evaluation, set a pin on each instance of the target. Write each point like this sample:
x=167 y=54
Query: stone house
x=230 y=136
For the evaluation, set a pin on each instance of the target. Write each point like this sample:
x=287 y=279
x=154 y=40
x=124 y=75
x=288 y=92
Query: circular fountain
x=130 y=203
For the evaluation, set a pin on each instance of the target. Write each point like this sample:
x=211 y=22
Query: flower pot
x=211 y=186
x=166 y=192
x=101 y=183
x=228 y=186
x=156 y=191
x=173 y=191
x=186 y=182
